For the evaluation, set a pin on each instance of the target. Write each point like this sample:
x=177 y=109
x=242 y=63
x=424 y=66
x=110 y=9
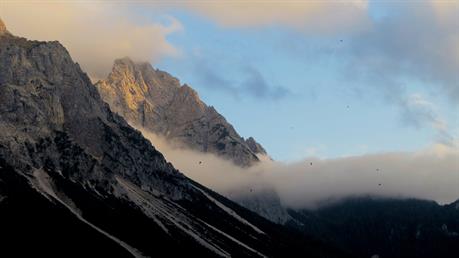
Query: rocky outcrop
x=255 y=146
x=264 y=201
x=2 y=27
x=157 y=101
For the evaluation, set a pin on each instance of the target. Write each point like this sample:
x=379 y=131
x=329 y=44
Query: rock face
x=156 y=101
x=2 y=27
x=71 y=171
x=255 y=146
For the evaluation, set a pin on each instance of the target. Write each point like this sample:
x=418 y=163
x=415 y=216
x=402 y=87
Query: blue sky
x=305 y=78
x=311 y=107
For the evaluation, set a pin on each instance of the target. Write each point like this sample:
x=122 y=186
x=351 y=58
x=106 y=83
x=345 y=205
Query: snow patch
x=160 y=208
x=44 y=186
x=229 y=211
x=234 y=240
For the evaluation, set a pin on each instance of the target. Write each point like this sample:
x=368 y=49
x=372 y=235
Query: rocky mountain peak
x=2 y=26
x=122 y=65
x=255 y=146
x=155 y=100
x=141 y=71
x=123 y=60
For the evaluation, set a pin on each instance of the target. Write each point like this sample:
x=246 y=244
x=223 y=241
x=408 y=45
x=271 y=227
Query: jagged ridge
x=156 y=101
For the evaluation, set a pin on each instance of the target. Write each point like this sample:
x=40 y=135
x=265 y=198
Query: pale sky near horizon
x=303 y=78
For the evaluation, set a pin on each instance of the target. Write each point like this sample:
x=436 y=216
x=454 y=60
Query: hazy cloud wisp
x=431 y=174
x=251 y=82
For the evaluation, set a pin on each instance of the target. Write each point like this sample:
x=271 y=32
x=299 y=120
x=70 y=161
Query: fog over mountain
x=200 y=142
x=312 y=181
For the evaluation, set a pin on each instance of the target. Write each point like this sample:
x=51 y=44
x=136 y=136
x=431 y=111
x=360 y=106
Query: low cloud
x=94 y=33
x=431 y=174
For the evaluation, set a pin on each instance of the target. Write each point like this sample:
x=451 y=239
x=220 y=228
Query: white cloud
x=95 y=33
x=432 y=173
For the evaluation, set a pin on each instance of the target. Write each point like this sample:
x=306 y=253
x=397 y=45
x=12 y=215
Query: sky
x=324 y=79
x=290 y=89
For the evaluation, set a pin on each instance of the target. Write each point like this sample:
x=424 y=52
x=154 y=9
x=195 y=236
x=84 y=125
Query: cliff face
x=255 y=146
x=155 y=100
x=89 y=178
x=2 y=27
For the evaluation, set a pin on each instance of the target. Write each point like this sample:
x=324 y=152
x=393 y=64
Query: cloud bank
x=431 y=174
x=95 y=33
x=314 y=16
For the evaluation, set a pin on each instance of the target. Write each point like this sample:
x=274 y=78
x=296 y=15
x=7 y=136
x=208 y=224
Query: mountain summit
x=155 y=100
x=2 y=27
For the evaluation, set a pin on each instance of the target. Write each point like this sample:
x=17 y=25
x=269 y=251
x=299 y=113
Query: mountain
x=2 y=28
x=76 y=180
x=368 y=226
x=155 y=100
x=454 y=205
